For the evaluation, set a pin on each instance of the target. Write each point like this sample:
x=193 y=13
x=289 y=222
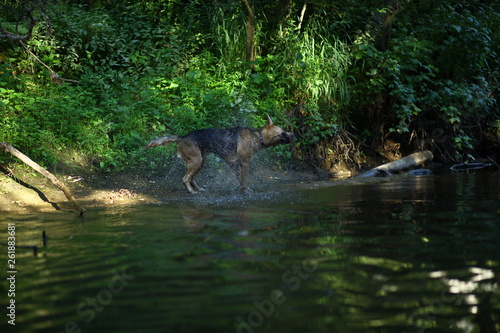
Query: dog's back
x=221 y=142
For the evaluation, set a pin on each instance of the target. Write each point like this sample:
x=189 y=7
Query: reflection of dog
x=235 y=145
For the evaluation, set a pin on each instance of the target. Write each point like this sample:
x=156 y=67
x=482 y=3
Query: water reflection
x=411 y=255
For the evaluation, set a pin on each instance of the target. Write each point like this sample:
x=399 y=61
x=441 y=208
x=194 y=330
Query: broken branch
x=18 y=38
x=10 y=149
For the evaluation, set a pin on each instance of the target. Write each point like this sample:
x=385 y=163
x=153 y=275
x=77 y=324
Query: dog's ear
x=269 y=121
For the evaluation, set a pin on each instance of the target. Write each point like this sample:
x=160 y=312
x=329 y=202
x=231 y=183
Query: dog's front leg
x=244 y=167
x=237 y=166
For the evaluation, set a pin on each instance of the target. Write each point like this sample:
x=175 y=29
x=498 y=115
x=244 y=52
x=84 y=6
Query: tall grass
x=326 y=64
x=311 y=66
x=229 y=38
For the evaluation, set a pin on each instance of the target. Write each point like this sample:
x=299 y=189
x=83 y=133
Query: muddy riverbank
x=24 y=191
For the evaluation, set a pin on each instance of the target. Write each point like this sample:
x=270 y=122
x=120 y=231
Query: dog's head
x=273 y=135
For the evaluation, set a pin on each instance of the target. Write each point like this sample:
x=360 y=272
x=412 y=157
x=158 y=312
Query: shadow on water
x=411 y=255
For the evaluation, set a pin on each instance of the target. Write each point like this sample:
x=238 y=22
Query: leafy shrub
x=432 y=72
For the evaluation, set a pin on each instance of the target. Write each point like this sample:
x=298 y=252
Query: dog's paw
x=247 y=190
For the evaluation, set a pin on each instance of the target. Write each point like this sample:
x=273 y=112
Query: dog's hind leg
x=194 y=159
x=193 y=183
x=188 y=181
x=193 y=167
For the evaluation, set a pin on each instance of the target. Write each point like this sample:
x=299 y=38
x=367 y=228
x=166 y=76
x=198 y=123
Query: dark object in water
x=469 y=166
x=420 y=172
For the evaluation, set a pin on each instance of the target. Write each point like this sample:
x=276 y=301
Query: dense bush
x=439 y=70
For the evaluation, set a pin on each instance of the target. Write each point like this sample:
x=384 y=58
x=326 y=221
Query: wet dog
x=236 y=146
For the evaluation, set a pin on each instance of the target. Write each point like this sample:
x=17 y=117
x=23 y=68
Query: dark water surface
x=409 y=255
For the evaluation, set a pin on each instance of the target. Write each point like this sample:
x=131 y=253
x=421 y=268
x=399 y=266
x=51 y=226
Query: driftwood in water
x=469 y=166
x=9 y=148
x=399 y=165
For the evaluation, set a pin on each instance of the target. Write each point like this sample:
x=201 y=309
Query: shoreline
x=27 y=192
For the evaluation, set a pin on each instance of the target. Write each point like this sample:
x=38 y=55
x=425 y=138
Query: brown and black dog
x=236 y=146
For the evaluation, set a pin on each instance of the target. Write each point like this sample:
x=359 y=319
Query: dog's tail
x=164 y=140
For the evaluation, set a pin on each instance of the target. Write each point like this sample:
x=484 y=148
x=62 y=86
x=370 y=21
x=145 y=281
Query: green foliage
x=437 y=67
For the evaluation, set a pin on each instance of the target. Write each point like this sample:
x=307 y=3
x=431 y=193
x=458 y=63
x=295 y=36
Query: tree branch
x=28 y=161
x=54 y=77
x=15 y=37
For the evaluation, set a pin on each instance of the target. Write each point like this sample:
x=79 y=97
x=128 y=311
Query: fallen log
x=407 y=162
x=25 y=159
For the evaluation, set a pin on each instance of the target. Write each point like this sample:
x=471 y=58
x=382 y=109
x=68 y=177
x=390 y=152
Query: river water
x=413 y=254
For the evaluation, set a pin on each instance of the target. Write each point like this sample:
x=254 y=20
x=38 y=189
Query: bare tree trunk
x=250 y=39
x=302 y=14
x=284 y=8
x=385 y=20
x=399 y=165
x=10 y=149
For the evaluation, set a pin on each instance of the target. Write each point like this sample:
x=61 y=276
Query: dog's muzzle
x=287 y=137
